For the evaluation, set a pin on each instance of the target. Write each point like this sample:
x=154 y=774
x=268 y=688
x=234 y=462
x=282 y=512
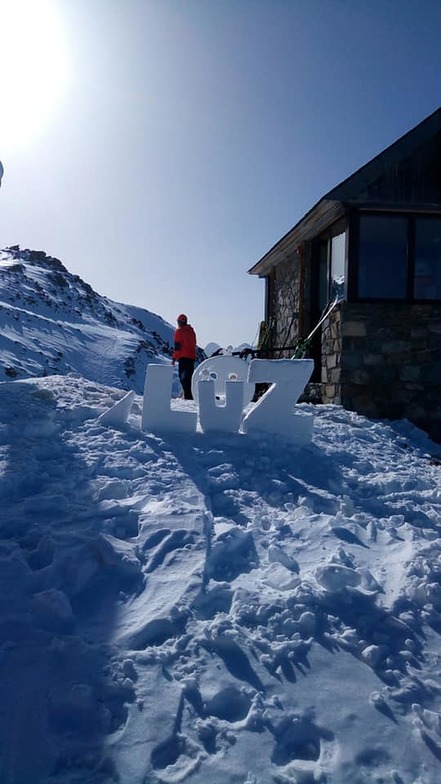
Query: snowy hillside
x=54 y=322
x=215 y=608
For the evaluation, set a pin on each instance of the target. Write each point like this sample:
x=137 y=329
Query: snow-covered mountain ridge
x=51 y=321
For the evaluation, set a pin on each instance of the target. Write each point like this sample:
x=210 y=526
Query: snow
x=225 y=598
x=157 y=413
x=210 y=607
x=221 y=399
x=220 y=369
x=52 y=322
x=273 y=411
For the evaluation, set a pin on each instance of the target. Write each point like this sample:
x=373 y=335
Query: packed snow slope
x=53 y=322
x=215 y=608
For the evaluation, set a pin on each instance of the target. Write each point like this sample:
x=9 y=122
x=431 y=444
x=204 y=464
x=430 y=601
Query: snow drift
x=207 y=607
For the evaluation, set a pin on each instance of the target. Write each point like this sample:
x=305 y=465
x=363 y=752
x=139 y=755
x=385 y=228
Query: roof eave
x=318 y=218
x=326 y=211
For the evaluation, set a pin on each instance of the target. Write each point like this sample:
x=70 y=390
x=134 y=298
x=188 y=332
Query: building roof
x=331 y=206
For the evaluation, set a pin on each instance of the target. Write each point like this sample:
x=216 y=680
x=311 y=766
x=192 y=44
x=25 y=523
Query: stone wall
x=331 y=357
x=384 y=361
x=285 y=304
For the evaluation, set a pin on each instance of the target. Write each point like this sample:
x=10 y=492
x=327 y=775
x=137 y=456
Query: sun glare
x=33 y=69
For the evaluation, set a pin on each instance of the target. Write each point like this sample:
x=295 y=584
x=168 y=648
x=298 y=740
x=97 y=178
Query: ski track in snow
x=211 y=608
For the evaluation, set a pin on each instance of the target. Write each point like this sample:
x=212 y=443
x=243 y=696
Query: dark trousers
x=185 y=369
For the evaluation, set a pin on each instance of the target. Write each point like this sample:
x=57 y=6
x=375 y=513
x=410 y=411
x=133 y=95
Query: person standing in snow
x=185 y=353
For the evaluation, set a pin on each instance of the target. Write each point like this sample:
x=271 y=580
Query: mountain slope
x=53 y=322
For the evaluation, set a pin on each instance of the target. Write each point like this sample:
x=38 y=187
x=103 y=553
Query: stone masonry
x=285 y=303
x=384 y=361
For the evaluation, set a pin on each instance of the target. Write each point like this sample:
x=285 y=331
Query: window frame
x=354 y=256
x=338 y=227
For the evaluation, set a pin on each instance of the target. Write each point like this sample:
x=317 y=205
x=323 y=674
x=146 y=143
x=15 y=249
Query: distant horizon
x=160 y=149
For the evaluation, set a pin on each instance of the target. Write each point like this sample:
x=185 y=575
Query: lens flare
x=34 y=69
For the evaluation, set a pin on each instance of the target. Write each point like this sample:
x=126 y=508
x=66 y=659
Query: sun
x=34 y=69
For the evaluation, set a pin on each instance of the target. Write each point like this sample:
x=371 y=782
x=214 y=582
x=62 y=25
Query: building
x=375 y=242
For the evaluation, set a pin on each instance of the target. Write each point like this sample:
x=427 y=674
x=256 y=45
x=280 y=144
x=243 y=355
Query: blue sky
x=160 y=147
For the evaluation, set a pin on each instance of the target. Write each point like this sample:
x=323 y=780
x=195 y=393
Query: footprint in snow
x=174 y=760
x=298 y=738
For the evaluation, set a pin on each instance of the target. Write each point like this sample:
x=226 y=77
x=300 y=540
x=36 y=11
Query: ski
x=303 y=343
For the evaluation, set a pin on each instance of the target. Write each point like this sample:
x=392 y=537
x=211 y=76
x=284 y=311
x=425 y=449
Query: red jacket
x=185 y=342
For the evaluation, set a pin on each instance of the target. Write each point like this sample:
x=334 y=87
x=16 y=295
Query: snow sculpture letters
x=273 y=413
x=157 y=415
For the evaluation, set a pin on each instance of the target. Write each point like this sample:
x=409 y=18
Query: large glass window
x=323 y=281
x=338 y=265
x=427 y=281
x=382 y=271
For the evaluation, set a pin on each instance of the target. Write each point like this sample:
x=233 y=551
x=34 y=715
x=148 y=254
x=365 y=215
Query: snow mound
x=202 y=607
